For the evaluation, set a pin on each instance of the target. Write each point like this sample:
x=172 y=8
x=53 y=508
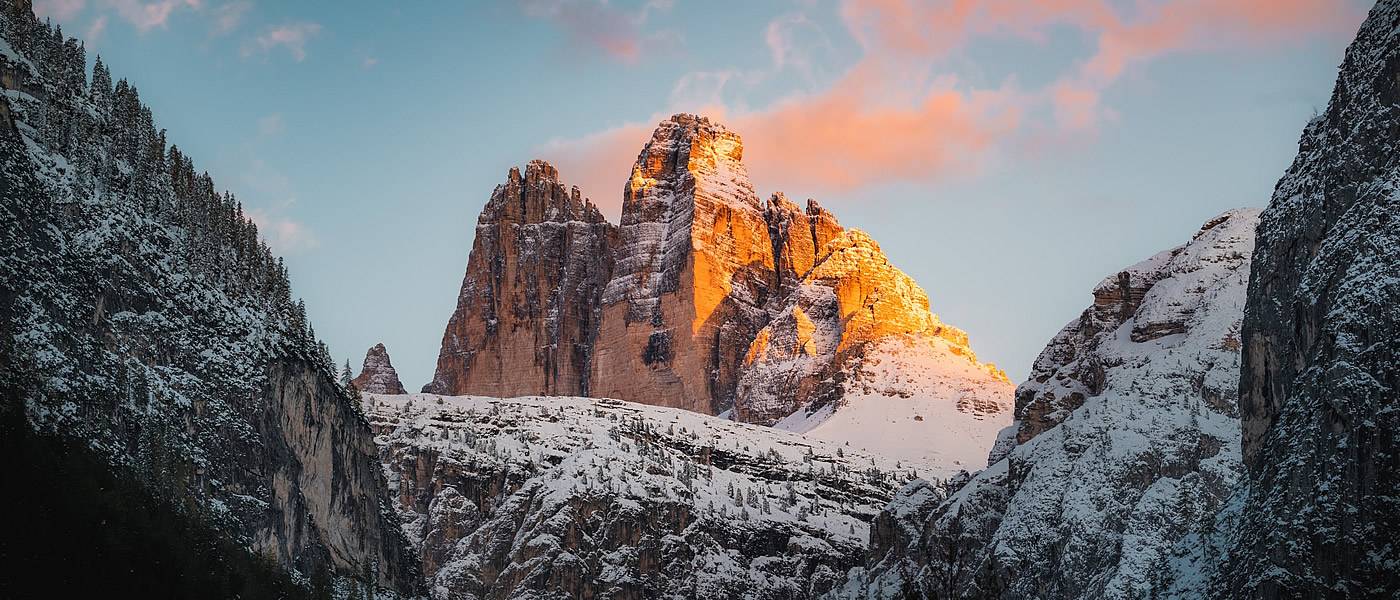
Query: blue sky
x=1007 y=156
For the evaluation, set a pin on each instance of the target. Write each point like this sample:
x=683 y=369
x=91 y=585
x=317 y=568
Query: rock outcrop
x=528 y=311
x=1126 y=443
x=694 y=270
x=378 y=376
x=578 y=498
x=1320 y=388
x=849 y=318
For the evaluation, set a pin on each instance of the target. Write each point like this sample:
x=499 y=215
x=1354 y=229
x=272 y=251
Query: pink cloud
x=95 y=30
x=885 y=120
x=229 y=16
x=291 y=36
x=145 y=16
x=283 y=234
x=58 y=10
x=603 y=27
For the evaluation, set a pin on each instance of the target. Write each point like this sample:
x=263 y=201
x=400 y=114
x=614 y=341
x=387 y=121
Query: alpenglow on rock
x=707 y=299
x=1126 y=443
x=378 y=376
x=1320 y=386
x=855 y=355
x=695 y=267
x=527 y=314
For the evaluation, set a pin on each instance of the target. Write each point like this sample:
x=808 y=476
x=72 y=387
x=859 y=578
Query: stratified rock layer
x=1321 y=380
x=1126 y=443
x=378 y=376
x=528 y=312
x=695 y=267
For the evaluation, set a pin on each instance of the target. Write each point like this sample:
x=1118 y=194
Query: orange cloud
x=881 y=122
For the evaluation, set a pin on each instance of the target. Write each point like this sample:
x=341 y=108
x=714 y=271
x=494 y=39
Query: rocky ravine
x=708 y=299
x=1126 y=441
x=559 y=497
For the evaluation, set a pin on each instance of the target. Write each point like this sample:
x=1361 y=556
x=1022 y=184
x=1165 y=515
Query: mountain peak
x=378 y=376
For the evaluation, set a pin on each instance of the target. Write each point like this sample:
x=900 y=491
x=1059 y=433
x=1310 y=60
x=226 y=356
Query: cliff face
x=1126 y=443
x=695 y=267
x=378 y=376
x=528 y=313
x=1321 y=377
x=143 y=319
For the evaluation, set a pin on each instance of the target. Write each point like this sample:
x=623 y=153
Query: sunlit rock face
x=695 y=269
x=378 y=376
x=527 y=313
x=854 y=339
x=1127 y=443
x=706 y=298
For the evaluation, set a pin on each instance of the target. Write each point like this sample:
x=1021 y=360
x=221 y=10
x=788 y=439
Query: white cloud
x=292 y=36
x=283 y=234
x=229 y=16
x=271 y=125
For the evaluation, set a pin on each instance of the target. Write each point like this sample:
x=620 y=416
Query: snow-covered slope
x=548 y=497
x=1126 y=441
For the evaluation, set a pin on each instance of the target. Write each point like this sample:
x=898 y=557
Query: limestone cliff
x=378 y=376
x=695 y=267
x=528 y=310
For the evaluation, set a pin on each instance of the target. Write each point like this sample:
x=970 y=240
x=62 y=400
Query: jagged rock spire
x=378 y=376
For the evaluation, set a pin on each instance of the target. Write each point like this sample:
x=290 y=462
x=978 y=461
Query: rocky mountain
x=555 y=497
x=528 y=312
x=1320 y=387
x=378 y=376
x=855 y=355
x=707 y=299
x=149 y=339
x=695 y=267
x=1126 y=442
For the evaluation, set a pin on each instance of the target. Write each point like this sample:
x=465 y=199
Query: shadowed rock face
x=141 y=317
x=527 y=314
x=378 y=376
x=694 y=270
x=1321 y=377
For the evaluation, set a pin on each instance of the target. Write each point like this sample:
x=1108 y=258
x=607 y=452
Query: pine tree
x=345 y=376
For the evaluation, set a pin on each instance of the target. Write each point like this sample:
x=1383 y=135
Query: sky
x=1007 y=154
